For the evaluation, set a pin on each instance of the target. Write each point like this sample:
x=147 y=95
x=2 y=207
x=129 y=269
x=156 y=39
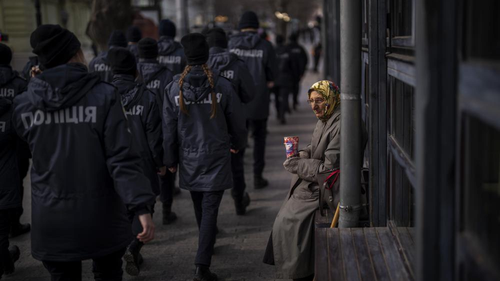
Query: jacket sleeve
x=271 y=64
x=123 y=161
x=236 y=125
x=305 y=60
x=169 y=124
x=309 y=168
x=246 y=87
x=154 y=132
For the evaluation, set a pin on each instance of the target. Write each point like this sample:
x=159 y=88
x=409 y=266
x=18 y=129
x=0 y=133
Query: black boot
x=241 y=205
x=133 y=258
x=9 y=267
x=259 y=182
x=203 y=274
x=19 y=229
x=168 y=216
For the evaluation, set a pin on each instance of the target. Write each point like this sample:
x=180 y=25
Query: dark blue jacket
x=10 y=195
x=229 y=66
x=134 y=49
x=85 y=173
x=198 y=144
x=11 y=84
x=286 y=69
x=171 y=55
x=260 y=58
x=101 y=66
x=156 y=77
x=299 y=60
x=144 y=120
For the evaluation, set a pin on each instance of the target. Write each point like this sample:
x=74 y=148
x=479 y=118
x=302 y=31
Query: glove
x=291 y=164
x=304 y=154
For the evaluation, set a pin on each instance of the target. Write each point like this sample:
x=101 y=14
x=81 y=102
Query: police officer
x=86 y=172
x=156 y=77
x=12 y=85
x=170 y=52
x=260 y=58
x=199 y=136
x=284 y=83
x=134 y=34
x=144 y=120
x=299 y=60
x=235 y=70
x=100 y=64
x=10 y=195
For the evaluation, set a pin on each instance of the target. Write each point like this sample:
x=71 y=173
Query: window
x=481 y=196
x=482 y=40
x=401 y=129
x=402 y=24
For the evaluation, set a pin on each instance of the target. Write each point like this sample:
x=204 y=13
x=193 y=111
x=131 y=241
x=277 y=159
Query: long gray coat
x=293 y=229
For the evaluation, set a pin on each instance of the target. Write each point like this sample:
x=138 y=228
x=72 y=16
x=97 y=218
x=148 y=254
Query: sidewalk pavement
x=242 y=239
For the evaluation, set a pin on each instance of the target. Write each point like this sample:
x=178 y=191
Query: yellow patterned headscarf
x=330 y=93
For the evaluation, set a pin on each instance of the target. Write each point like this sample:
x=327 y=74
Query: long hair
x=210 y=77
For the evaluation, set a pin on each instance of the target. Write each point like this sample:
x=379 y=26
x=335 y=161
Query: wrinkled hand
x=291 y=164
x=148 y=228
x=173 y=170
x=304 y=154
x=162 y=171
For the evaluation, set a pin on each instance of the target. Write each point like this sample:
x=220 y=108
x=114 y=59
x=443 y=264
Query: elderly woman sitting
x=291 y=246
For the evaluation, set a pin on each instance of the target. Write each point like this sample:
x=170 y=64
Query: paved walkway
x=242 y=239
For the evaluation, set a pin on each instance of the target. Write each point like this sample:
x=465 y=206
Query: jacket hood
x=220 y=58
x=248 y=40
x=196 y=86
x=167 y=45
x=129 y=90
x=5 y=105
x=61 y=87
x=6 y=74
x=149 y=69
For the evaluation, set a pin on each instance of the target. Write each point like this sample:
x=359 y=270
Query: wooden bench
x=385 y=253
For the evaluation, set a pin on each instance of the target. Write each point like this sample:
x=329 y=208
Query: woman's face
x=318 y=104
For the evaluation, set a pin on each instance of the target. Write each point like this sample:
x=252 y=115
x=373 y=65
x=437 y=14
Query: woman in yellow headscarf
x=291 y=246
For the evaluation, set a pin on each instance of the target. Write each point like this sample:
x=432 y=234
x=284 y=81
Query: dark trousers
x=107 y=268
x=5 y=259
x=259 y=132
x=238 y=169
x=295 y=91
x=23 y=164
x=167 y=185
x=282 y=100
x=206 y=208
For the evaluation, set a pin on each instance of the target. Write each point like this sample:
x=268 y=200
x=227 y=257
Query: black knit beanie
x=249 y=20
x=134 y=34
x=216 y=37
x=196 y=48
x=5 y=54
x=117 y=39
x=54 y=45
x=167 y=28
x=280 y=40
x=148 y=48
x=122 y=61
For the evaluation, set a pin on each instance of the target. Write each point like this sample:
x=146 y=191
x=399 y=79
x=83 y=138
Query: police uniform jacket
x=101 y=66
x=199 y=144
x=156 y=77
x=10 y=194
x=171 y=54
x=260 y=58
x=85 y=173
x=144 y=120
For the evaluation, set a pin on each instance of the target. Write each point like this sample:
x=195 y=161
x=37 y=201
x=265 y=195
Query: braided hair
x=210 y=77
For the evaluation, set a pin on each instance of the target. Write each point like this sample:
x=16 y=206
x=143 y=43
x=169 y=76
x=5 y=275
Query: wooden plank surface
x=407 y=247
x=376 y=255
x=365 y=265
x=349 y=255
x=392 y=257
x=321 y=254
x=336 y=269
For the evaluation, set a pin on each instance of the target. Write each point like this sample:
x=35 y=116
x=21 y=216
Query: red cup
x=291 y=146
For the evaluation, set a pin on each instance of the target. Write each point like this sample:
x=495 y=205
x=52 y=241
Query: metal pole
x=350 y=134
x=182 y=17
x=38 y=13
